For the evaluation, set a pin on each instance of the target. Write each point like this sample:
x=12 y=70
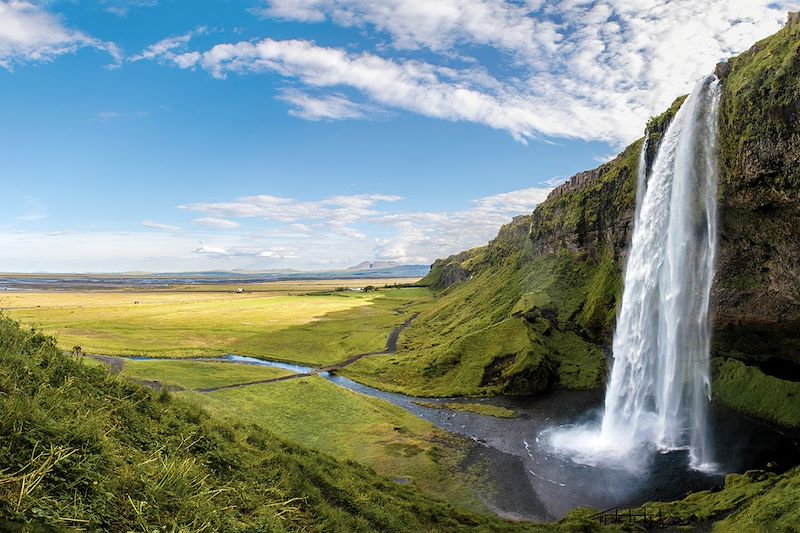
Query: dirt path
x=260 y=382
x=114 y=364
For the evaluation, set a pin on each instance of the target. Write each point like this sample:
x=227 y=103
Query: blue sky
x=169 y=135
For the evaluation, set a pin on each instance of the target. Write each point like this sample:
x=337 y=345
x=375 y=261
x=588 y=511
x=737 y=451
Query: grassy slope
x=78 y=448
x=747 y=389
x=318 y=329
x=317 y=413
x=326 y=417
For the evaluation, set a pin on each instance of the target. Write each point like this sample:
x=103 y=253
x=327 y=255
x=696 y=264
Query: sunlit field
x=310 y=323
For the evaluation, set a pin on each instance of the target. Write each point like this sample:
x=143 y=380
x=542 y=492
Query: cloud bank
x=592 y=70
x=264 y=231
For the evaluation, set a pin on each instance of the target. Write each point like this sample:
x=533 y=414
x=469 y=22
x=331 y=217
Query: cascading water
x=659 y=388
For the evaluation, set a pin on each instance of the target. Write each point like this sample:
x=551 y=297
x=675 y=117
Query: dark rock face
x=757 y=287
x=450 y=270
x=582 y=228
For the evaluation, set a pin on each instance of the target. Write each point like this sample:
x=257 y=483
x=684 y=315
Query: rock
x=722 y=70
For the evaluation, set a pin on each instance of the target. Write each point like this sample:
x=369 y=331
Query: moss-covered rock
x=751 y=391
x=757 y=289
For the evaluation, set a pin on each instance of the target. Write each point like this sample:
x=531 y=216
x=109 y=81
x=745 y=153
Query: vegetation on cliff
x=753 y=501
x=757 y=290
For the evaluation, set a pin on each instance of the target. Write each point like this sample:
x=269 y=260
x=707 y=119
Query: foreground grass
x=317 y=413
x=198 y=375
x=316 y=329
x=81 y=449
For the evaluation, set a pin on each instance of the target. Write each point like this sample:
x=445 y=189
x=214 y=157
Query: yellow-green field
x=307 y=322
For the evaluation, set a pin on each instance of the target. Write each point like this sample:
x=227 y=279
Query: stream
x=531 y=481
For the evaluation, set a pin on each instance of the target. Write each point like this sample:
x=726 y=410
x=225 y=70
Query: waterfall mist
x=659 y=389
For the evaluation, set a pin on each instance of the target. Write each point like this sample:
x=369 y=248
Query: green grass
x=79 y=448
x=198 y=375
x=324 y=416
x=759 y=106
x=315 y=329
x=777 y=509
x=514 y=328
x=748 y=390
x=339 y=335
x=319 y=414
x=478 y=408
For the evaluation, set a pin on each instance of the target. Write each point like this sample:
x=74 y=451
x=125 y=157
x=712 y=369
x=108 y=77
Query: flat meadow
x=315 y=323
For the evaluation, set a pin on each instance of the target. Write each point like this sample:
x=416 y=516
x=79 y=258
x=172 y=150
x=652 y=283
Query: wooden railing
x=619 y=515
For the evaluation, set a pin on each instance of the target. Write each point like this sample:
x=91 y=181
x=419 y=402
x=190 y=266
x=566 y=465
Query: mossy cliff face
x=557 y=273
x=757 y=289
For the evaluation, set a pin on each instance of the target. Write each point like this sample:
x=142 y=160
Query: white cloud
x=156 y=225
x=594 y=70
x=122 y=8
x=106 y=116
x=118 y=11
x=29 y=34
x=434 y=25
x=327 y=107
x=168 y=49
x=216 y=223
x=424 y=236
x=337 y=210
x=356 y=221
x=211 y=250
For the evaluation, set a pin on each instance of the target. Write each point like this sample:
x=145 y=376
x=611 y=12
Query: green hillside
x=80 y=449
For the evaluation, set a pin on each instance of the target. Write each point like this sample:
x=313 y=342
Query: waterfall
x=659 y=389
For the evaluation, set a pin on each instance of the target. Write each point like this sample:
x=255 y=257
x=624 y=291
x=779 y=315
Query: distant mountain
x=374 y=265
